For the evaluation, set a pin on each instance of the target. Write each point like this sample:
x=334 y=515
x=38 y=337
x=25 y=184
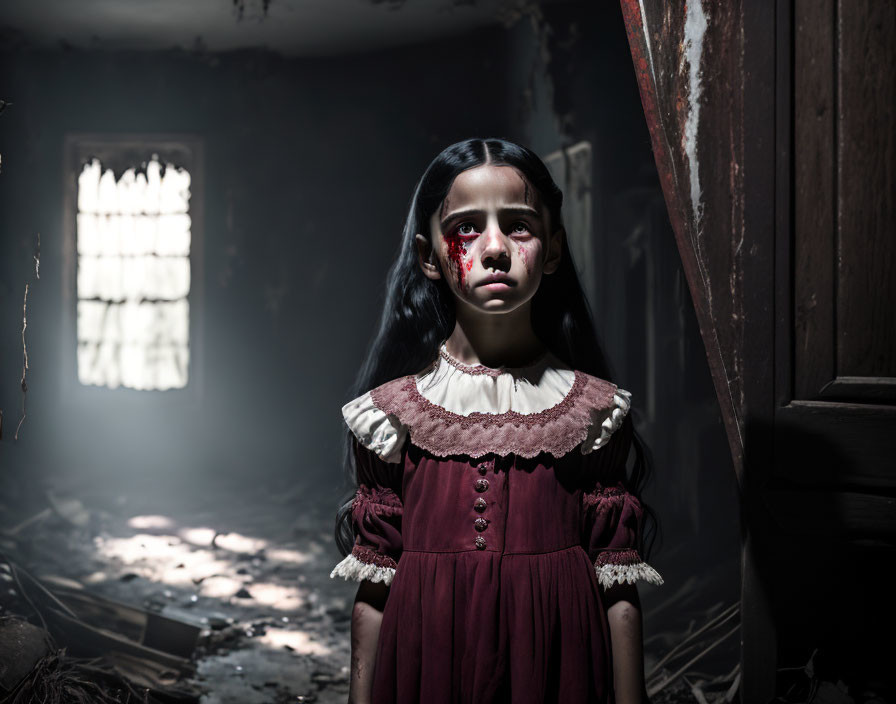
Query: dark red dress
x=495 y=532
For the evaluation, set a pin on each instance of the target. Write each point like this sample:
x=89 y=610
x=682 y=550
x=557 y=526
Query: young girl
x=495 y=532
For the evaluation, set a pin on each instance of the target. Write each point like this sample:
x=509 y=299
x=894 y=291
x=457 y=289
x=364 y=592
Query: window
x=131 y=247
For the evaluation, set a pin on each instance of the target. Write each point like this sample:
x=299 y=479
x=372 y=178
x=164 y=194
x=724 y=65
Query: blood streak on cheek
x=457 y=252
x=524 y=255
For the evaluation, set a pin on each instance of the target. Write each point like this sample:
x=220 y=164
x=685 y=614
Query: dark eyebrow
x=521 y=209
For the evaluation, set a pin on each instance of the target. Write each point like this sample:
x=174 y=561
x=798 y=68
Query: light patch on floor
x=211 y=564
x=220 y=587
x=151 y=523
x=298 y=642
x=277 y=596
x=240 y=543
x=163 y=558
x=287 y=556
x=201 y=537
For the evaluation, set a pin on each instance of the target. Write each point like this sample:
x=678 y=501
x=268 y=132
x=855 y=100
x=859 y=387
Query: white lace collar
x=451 y=408
x=474 y=388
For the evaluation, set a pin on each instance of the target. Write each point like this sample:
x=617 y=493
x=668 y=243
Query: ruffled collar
x=451 y=408
x=464 y=389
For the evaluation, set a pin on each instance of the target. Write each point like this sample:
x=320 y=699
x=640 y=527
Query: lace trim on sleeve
x=601 y=432
x=623 y=566
x=379 y=432
x=362 y=563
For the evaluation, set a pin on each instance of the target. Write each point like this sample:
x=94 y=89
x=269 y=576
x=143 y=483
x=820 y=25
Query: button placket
x=481 y=485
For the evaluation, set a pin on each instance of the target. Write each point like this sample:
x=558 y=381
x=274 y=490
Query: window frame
x=120 y=152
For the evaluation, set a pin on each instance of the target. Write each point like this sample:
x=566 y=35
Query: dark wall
x=309 y=166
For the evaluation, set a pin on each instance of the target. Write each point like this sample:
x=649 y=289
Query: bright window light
x=133 y=243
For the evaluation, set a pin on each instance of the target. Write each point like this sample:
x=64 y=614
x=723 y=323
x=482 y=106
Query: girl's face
x=491 y=239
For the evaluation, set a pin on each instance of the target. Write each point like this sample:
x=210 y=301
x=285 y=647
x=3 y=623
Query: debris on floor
x=196 y=599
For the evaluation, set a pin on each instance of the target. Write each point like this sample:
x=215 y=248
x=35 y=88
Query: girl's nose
x=494 y=246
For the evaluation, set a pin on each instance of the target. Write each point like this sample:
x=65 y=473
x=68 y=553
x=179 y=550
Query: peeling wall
x=684 y=57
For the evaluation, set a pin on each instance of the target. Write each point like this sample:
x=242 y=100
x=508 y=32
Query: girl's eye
x=520 y=228
x=466 y=229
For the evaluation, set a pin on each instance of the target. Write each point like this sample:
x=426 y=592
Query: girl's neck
x=495 y=340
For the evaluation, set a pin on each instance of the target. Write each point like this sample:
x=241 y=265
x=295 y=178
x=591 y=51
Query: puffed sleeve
x=613 y=517
x=375 y=518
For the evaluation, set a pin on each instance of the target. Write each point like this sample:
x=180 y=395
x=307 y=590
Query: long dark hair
x=418 y=313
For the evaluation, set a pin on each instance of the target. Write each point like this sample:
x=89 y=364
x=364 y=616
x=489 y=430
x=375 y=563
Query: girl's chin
x=493 y=303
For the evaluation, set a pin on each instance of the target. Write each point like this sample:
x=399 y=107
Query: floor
x=245 y=566
x=250 y=567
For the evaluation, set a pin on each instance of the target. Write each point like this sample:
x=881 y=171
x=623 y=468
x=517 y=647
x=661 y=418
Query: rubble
x=199 y=604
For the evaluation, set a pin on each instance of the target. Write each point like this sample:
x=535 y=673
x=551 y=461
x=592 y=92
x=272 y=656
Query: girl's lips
x=498 y=281
x=496 y=285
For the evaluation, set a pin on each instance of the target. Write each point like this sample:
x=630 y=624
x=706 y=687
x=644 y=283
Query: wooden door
x=832 y=482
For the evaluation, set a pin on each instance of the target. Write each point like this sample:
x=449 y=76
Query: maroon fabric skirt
x=487 y=627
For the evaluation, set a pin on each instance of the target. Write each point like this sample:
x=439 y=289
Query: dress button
x=481 y=485
x=479 y=542
x=481 y=524
x=480 y=505
x=483 y=468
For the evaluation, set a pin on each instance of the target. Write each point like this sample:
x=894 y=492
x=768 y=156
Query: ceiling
x=290 y=27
